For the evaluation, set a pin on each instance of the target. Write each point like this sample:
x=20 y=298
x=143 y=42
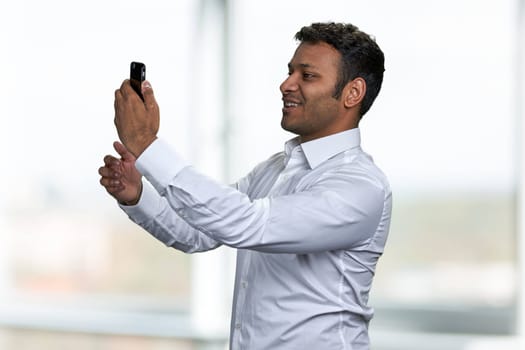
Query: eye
x=308 y=76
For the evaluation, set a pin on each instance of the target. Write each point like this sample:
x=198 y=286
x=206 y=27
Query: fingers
x=112 y=187
x=125 y=96
x=111 y=161
x=110 y=179
x=123 y=151
x=149 y=97
x=122 y=93
x=110 y=182
x=110 y=170
x=116 y=105
x=106 y=171
x=126 y=89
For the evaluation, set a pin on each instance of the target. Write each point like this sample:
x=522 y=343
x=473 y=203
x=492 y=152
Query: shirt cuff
x=159 y=163
x=147 y=206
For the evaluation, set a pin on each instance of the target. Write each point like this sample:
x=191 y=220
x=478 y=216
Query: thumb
x=147 y=92
x=123 y=151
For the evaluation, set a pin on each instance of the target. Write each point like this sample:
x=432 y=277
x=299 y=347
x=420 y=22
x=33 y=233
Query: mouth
x=289 y=104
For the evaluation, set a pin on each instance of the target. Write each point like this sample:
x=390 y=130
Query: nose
x=289 y=84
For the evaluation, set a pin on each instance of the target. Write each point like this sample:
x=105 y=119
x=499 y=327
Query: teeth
x=290 y=104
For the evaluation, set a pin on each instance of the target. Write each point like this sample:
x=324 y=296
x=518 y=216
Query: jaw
x=293 y=118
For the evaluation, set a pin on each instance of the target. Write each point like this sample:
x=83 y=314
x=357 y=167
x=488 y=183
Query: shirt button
x=244 y=284
x=237 y=326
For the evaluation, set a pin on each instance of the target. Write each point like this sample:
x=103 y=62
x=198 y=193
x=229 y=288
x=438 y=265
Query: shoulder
x=354 y=167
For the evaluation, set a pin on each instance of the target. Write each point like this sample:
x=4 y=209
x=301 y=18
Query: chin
x=285 y=123
x=289 y=129
x=285 y=126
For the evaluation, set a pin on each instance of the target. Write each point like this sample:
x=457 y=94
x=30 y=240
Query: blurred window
x=442 y=129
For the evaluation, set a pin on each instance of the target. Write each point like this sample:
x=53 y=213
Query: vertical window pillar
x=520 y=115
x=212 y=277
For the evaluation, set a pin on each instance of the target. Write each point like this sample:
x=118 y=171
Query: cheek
x=322 y=106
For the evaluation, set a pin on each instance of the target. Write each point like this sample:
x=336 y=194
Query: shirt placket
x=244 y=264
x=295 y=163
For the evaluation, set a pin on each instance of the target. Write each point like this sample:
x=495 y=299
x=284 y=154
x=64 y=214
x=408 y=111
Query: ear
x=354 y=92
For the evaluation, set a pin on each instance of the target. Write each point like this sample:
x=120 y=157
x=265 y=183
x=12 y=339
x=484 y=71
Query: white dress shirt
x=309 y=223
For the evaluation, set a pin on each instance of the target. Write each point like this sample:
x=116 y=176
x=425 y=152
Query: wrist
x=135 y=200
x=140 y=146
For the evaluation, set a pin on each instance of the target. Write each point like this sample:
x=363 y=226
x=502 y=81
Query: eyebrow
x=302 y=65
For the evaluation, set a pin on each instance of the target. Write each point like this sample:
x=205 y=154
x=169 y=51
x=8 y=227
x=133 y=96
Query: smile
x=291 y=102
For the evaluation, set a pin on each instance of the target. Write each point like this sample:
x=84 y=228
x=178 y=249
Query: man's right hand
x=120 y=177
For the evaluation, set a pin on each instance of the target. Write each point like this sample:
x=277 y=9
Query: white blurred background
x=446 y=129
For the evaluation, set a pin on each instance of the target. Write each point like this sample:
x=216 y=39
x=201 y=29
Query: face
x=309 y=109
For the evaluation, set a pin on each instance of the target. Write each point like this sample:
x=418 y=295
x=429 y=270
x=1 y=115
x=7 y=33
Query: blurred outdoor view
x=75 y=273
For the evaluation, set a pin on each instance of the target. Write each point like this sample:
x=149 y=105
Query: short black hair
x=360 y=56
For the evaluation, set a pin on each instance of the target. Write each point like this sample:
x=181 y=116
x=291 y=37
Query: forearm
x=153 y=213
x=317 y=219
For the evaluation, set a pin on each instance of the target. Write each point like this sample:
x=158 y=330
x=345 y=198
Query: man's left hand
x=137 y=121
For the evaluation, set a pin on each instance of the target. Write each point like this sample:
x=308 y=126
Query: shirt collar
x=319 y=150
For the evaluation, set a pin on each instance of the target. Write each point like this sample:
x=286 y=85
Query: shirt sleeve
x=341 y=211
x=153 y=213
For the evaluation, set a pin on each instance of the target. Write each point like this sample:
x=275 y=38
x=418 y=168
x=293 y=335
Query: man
x=309 y=223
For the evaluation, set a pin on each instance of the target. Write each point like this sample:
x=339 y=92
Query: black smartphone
x=137 y=75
